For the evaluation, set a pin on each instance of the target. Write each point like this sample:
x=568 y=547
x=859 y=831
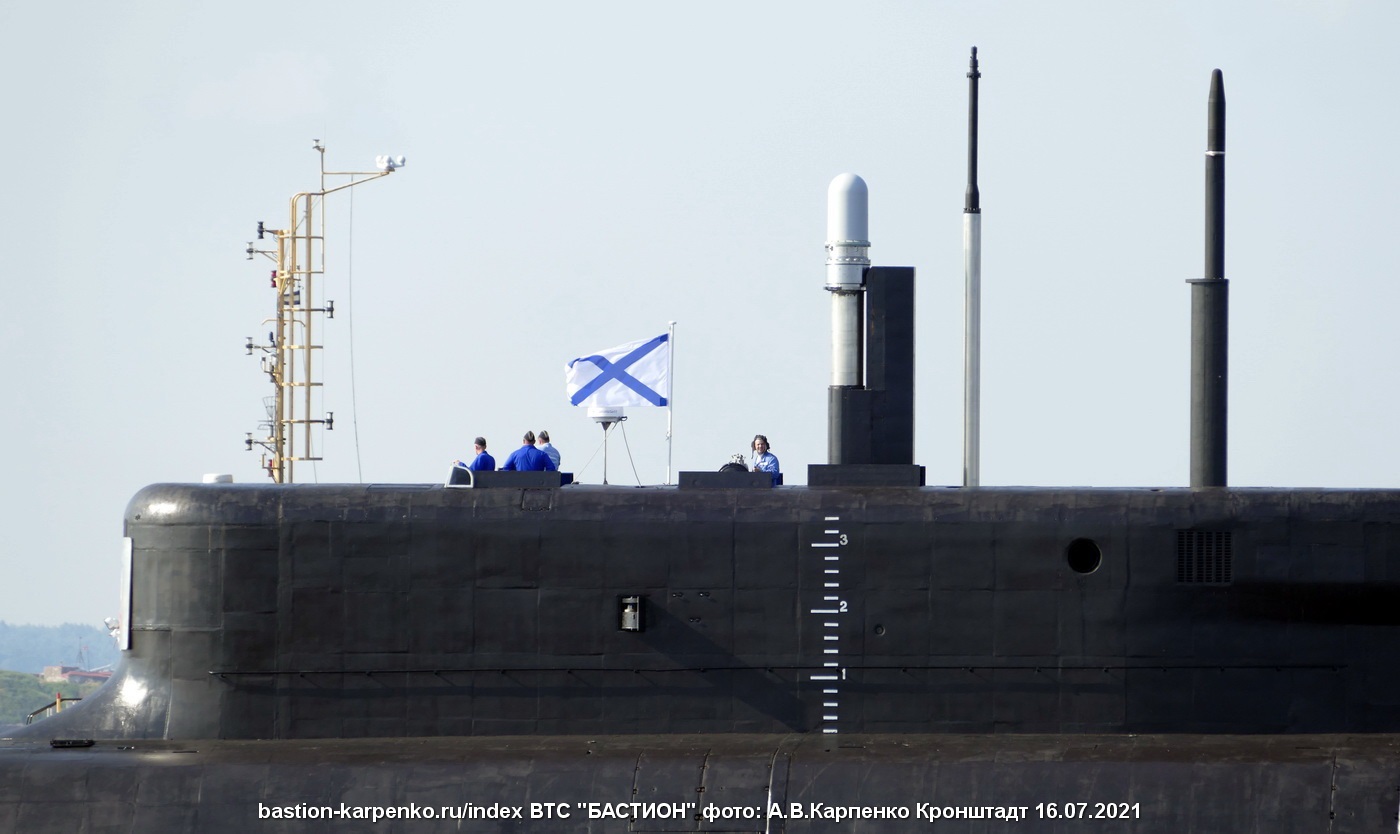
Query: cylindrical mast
x=305 y=305
x=847 y=257
x=282 y=364
x=972 y=269
x=1210 y=309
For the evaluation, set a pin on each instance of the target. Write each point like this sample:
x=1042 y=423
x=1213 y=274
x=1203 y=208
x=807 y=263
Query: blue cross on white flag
x=636 y=373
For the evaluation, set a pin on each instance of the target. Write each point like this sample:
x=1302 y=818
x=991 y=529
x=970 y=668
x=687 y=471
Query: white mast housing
x=847 y=257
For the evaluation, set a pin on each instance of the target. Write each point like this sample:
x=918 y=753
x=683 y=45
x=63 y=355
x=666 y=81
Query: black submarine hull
x=1189 y=660
x=263 y=612
x=731 y=783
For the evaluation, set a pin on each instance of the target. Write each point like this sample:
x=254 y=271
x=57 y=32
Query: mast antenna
x=287 y=356
x=972 y=271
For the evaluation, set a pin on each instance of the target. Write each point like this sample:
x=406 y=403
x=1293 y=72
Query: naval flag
x=636 y=373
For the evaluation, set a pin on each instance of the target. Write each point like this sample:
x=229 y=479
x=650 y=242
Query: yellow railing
x=52 y=709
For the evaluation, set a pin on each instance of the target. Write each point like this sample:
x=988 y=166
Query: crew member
x=764 y=460
x=483 y=462
x=528 y=459
x=542 y=443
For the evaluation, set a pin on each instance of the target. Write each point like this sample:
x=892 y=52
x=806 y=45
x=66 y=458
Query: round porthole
x=1083 y=556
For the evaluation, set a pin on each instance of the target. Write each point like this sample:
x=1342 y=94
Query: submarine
x=867 y=652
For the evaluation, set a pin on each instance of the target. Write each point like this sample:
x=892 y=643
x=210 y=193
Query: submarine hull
x=416 y=611
x=793 y=783
x=1186 y=660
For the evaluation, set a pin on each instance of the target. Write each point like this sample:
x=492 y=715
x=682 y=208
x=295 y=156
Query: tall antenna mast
x=972 y=268
x=300 y=256
x=1210 y=314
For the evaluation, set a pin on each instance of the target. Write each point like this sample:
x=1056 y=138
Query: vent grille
x=1203 y=557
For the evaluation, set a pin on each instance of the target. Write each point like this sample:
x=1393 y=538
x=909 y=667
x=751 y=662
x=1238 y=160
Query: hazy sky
x=581 y=173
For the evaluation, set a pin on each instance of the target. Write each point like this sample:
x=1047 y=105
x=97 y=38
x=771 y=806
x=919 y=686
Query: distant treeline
x=29 y=648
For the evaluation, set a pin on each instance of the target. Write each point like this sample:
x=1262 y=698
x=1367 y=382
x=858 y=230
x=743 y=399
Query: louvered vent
x=1203 y=557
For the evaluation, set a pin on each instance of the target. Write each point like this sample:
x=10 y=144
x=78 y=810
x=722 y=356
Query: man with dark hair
x=528 y=459
x=764 y=460
x=483 y=462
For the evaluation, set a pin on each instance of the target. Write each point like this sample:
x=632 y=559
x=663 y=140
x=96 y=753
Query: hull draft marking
x=827 y=554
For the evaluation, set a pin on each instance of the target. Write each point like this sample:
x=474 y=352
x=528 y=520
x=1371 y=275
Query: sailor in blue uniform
x=483 y=462
x=529 y=459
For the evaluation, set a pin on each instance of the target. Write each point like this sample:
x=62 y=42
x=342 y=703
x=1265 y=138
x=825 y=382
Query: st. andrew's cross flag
x=637 y=373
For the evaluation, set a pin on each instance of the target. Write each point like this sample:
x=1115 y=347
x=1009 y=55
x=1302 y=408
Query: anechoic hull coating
x=347 y=612
x=1171 y=784
x=426 y=646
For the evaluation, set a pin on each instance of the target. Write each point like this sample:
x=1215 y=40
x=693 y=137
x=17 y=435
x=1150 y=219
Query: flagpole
x=670 y=394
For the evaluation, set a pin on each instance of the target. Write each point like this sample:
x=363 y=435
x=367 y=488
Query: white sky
x=581 y=173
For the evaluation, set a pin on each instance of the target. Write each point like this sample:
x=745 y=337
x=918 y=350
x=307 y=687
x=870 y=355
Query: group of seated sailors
x=537 y=454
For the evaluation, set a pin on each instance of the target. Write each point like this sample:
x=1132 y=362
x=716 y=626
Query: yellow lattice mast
x=288 y=355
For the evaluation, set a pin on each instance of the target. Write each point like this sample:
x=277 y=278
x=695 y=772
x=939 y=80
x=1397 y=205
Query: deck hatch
x=1203 y=557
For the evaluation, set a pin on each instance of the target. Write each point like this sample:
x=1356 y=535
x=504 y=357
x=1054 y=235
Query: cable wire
x=595 y=453
x=350 y=302
x=629 y=454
